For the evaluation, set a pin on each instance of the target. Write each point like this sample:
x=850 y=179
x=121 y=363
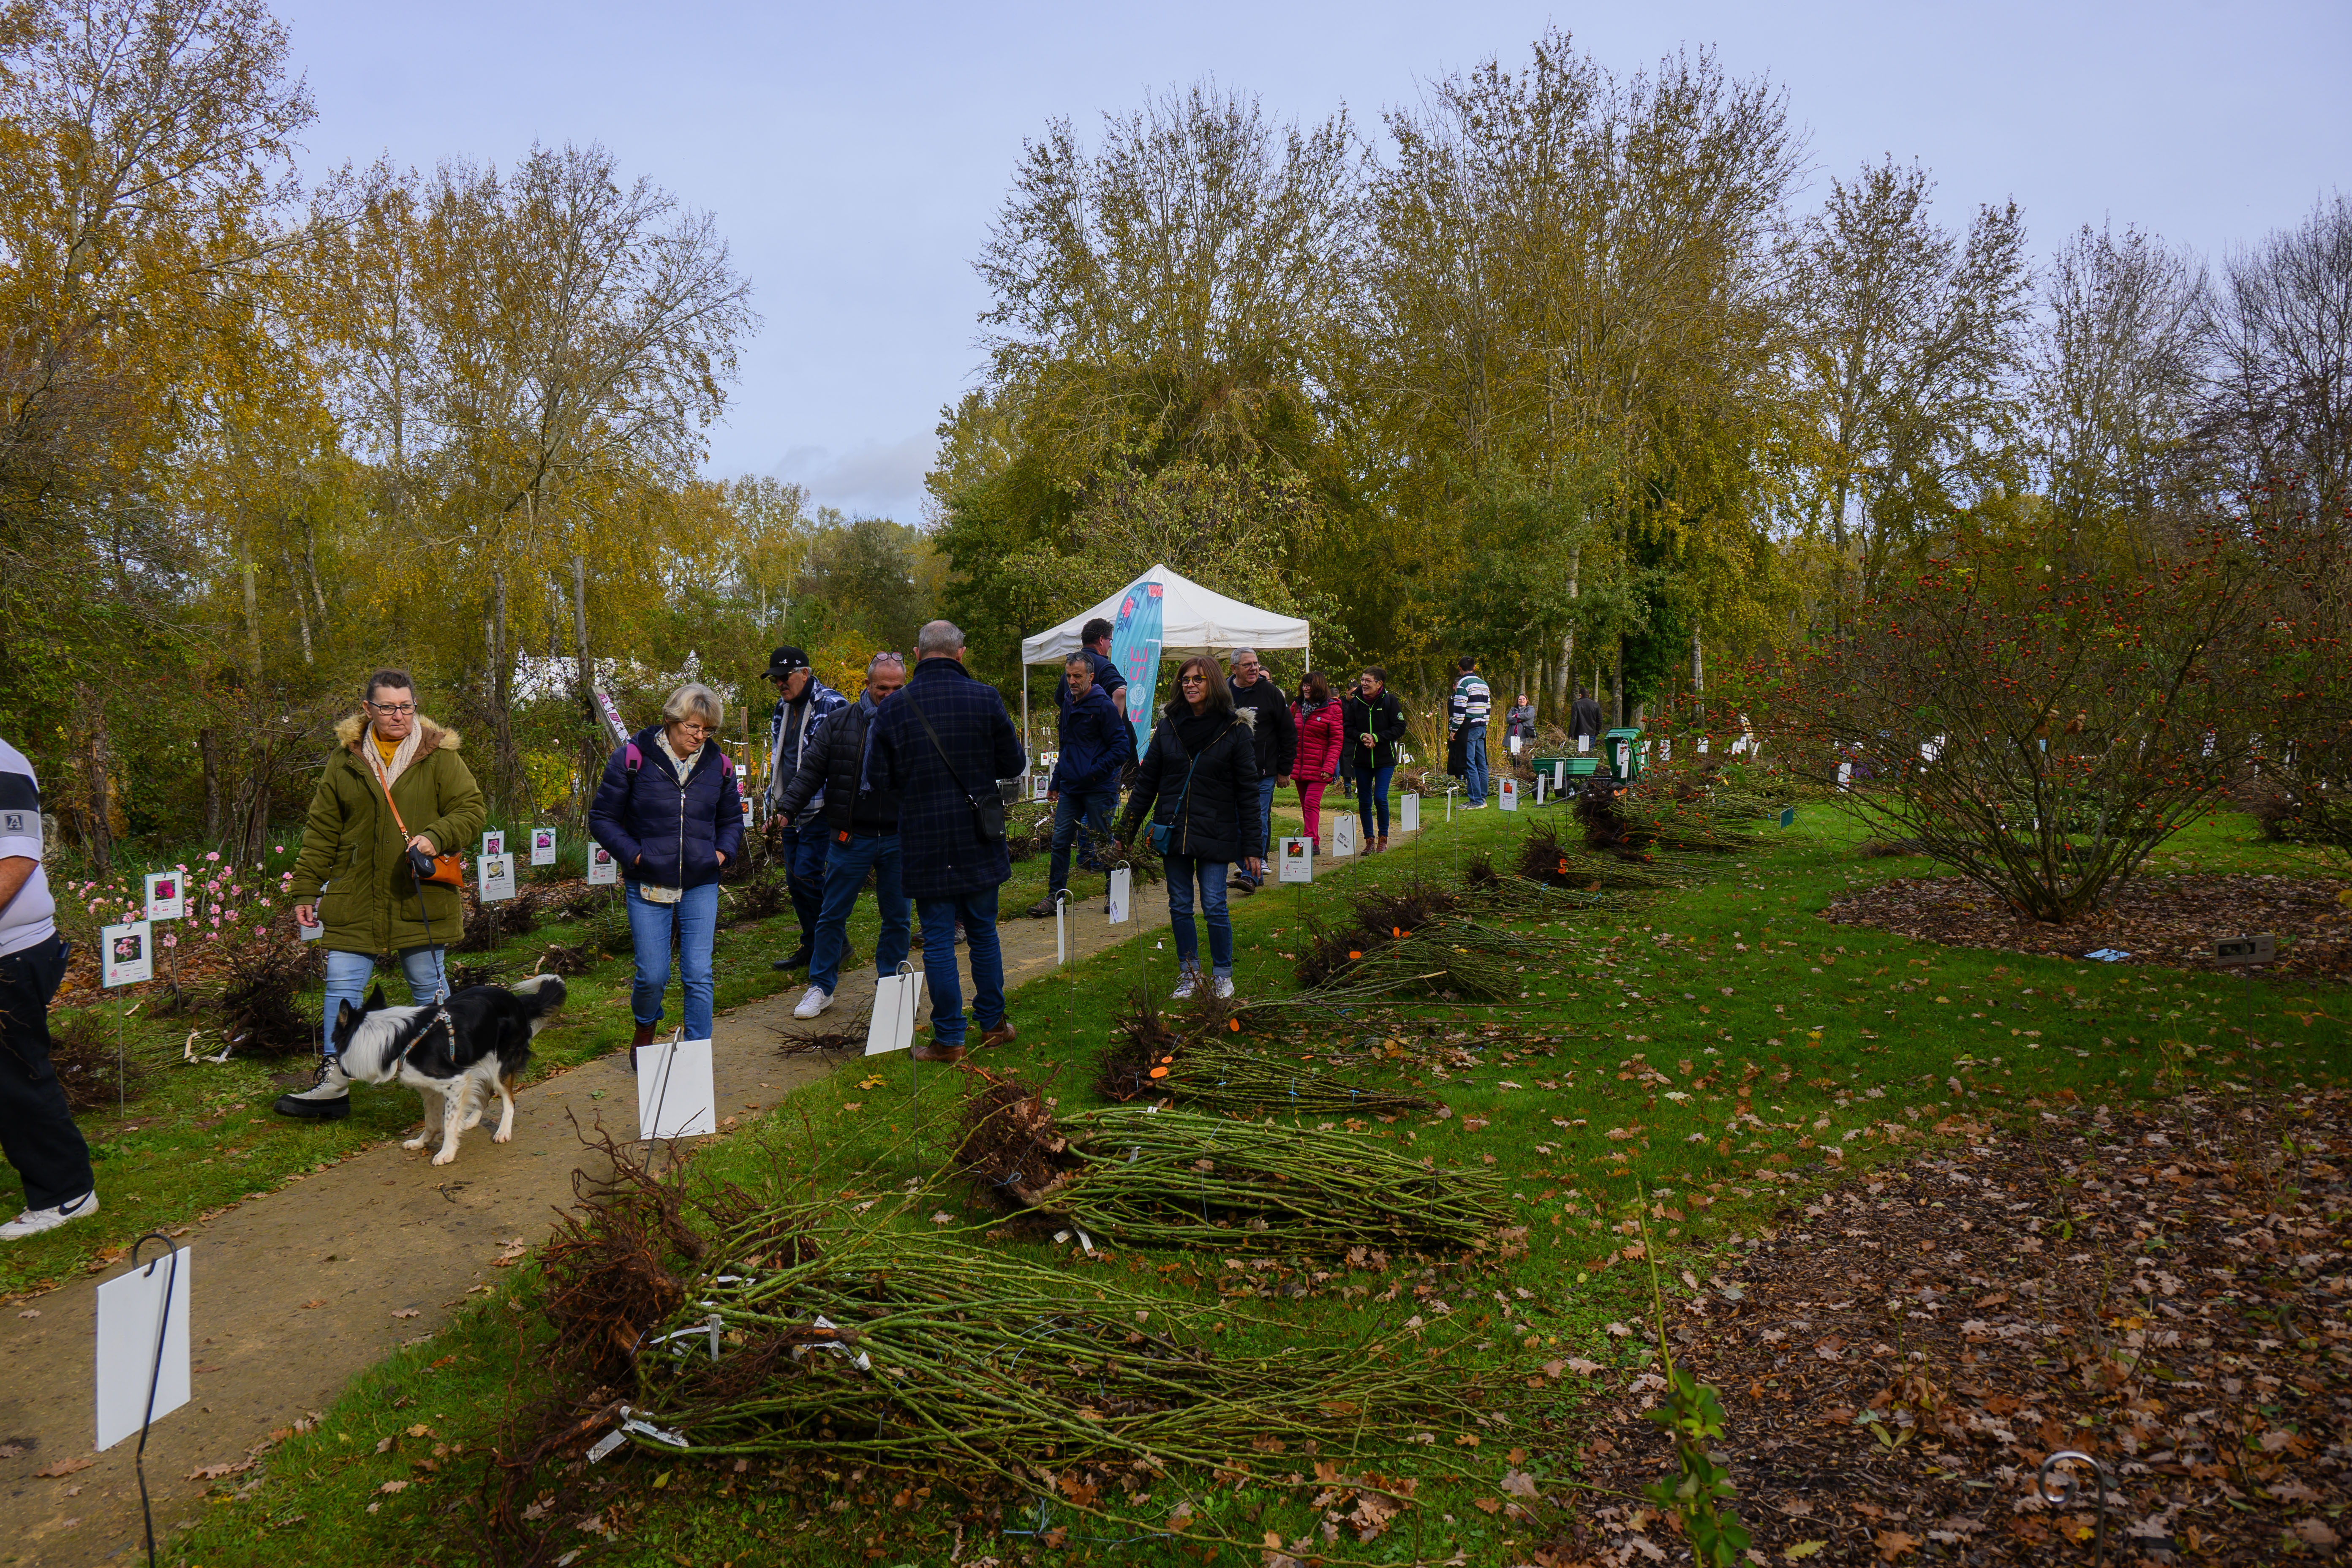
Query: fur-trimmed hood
x=431 y=737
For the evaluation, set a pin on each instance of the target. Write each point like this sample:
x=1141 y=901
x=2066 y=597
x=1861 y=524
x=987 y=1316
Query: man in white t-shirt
x=36 y=1132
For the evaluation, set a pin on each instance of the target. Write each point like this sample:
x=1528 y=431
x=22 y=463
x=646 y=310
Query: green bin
x=1623 y=749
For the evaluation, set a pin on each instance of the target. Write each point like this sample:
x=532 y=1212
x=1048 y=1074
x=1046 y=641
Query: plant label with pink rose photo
x=167 y=897
x=127 y=953
x=542 y=846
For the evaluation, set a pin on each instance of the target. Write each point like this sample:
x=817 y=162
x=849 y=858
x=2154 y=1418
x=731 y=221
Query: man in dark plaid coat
x=949 y=872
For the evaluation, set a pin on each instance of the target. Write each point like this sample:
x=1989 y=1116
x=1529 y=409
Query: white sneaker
x=33 y=1222
x=815 y=1000
x=1223 y=986
x=1186 y=983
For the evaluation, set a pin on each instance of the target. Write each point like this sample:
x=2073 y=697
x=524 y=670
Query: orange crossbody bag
x=430 y=870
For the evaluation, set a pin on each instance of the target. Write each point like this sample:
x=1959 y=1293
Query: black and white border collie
x=452 y=1056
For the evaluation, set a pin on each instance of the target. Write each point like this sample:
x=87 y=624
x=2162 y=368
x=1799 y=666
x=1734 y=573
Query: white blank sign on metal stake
x=1343 y=836
x=1295 y=861
x=1408 y=814
x=896 y=998
x=131 y=1310
x=1121 y=894
x=675 y=1092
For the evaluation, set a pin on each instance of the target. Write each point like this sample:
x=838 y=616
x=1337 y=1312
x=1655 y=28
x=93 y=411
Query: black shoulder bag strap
x=988 y=811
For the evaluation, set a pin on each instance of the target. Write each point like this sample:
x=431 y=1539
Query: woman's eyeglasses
x=393 y=707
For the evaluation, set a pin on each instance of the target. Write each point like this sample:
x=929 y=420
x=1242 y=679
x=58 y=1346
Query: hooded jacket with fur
x=354 y=848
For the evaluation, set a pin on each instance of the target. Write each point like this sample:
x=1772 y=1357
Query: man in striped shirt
x=37 y=1130
x=1467 y=718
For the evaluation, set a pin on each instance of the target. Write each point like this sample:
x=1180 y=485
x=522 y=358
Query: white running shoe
x=1224 y=987
x=1186 y=983
x=815 y=1000
x=33 y=1222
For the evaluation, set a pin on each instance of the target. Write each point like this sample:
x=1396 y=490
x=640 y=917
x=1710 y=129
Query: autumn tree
x=1906 y=344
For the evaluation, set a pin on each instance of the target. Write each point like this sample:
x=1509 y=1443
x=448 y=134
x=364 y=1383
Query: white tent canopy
x=1193 y=620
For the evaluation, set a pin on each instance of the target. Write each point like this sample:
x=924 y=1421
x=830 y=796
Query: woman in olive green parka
x=353 y=875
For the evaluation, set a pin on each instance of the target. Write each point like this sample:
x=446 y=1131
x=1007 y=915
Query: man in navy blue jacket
x=941 y=744
x=1094 y=642
x=1096 y=746
x=802 y=699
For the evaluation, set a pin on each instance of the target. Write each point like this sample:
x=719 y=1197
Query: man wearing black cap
x=802 y=699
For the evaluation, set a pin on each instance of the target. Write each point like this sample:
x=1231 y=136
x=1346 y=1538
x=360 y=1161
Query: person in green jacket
x=353 y=875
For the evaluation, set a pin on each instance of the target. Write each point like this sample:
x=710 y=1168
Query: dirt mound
x=2163 y=1292
x=2172 y=922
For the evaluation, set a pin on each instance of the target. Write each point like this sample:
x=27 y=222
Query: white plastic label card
x=1583 y=744
x=896 y=999
x=1511 y=793
x=1041 y=785
x=127 y=952
x=1665 y=748
x=1408 y=813
x=604 y=871
x=1122 y=894
x=494 y=841
x=1845 y=774
x=1702 y=745
x=1558 y=774
x=496 y=878
x=675 y=1093
x=134 y=1311
x=167 y=898
x=310 y=932
x=1541 y=779
x=1515 y=745
x=1343 y=836
x=542 y=846
x=1295 y=863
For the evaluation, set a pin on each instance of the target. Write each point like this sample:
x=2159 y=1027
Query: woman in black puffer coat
x=669 y=812
x=1201 y=772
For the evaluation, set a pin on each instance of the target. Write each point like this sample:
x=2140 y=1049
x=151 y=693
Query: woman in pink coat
x=1319 y=737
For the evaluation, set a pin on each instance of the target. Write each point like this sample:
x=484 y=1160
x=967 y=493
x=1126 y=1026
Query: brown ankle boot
x=1381 y=845
x=644 y=1036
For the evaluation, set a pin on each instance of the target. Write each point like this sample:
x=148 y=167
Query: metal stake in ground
x=2061 y=1494
x=906 y=1001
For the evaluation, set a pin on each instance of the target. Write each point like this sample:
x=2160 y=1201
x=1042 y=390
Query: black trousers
x=36 y=1132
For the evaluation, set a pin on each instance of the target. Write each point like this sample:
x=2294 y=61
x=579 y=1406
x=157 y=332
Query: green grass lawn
x=1689 y=1068
x=199 y=1136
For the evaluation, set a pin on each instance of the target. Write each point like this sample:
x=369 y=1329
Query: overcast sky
x=855 y=154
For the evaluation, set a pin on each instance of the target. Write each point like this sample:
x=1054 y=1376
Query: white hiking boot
x=815 y=1000
x=327 y=1099
x=1224 y=987
x=1186 y=983
x=33 y=1222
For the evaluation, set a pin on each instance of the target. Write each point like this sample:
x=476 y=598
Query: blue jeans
x=1372 y=791
x=1473 y=761
x=845 y=874
x=802 y=850
x=1183 y=873
x=348 y=975
x=978 y=913
x=695 y=919
x=1264 y=827
x=1092 y=807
